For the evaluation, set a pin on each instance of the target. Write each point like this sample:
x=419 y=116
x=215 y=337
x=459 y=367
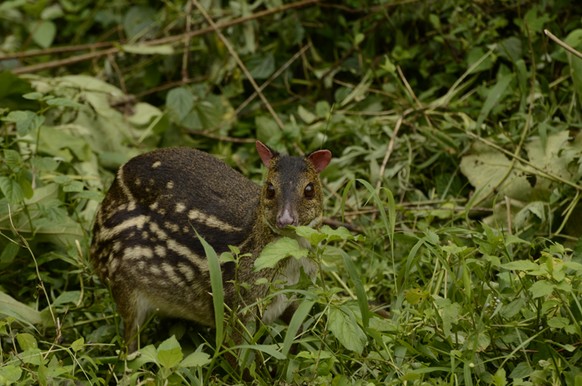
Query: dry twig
x=108 y=48
x=562 y=44
x=240 y=63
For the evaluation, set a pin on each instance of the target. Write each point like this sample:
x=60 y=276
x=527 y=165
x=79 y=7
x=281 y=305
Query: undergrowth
x=455 y=129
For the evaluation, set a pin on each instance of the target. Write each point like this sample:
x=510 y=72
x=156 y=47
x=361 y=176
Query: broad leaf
x=277 y=251
x=521 y=265
x=26 y=341
x=196 y=359
x=10 y=374
x=11 y=190
x=169 y=353
x=346 y=329
x=541 y=288
x=179 y=102
x=43 y=33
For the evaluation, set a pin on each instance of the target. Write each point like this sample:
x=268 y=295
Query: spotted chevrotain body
x=144 y=240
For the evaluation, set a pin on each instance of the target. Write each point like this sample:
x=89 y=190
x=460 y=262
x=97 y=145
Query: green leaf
x=32 y=356
x=574 y=39
x=73 y=186
x=63 y=102
x=295 y=324
x=78 y=344
x=510 y=48
x=217 y=289
x=267 y=128
x=8 y=254
x=534 y=22
x=541 y=288
x=278 y=250
x=68 y=297
x=26 y=121
x=26 y=341
x=553 y=155
x=196 y=359
x=9 y=374
x=209 y=112
x=43 y=33
x=499 y=378
x=147 y=354
x=138 y=21
x=179 y=102
x=359 y=287
x=169 y=353
x=337 y=234
x=576 y=74
x=62 y=144
x=577 y=267
x=261 y=67
x=11 y=190
x=12 y=158
x=346 y=330
x=25 y=185
x=20 y=311
x=521 y=265
x=450 y=314
x=33 y=95
x=270 y=349
x=513 y=308
x=415 y=295
x=522 y=370
x=490 y=171
x=313 y=236
x=558 y=322
x=494 y=96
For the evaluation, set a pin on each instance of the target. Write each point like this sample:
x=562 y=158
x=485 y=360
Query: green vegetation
x=456 y=133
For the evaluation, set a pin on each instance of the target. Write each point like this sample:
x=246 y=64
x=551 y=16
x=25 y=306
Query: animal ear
x=265 y=152
x=319 y=159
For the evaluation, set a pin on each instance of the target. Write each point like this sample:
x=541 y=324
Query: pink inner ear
x=320 y=159
x=264 y=152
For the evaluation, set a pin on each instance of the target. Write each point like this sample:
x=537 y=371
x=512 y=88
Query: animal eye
x=270 y=191
x=309 y=191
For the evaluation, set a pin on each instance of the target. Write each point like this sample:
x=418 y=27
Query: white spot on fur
x=156 y=164
x=172 y=227
x=180 y=207
x=160 y=251
x=170 y=185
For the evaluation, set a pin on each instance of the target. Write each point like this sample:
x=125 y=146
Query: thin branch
x=272 y=78
x=241 y=65
x=562 y=44
x=115 y=47
x=187 y=43
x=389 y=150
x=55 y=50
x=64 y=62
x=407 y=87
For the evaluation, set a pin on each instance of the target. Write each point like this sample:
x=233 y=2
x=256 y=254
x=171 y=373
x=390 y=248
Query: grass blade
x=217 y=289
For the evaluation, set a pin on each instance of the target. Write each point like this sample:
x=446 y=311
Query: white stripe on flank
x=211 y=221
x=133 y=222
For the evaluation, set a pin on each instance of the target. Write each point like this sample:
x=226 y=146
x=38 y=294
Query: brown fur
x=144 y=244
